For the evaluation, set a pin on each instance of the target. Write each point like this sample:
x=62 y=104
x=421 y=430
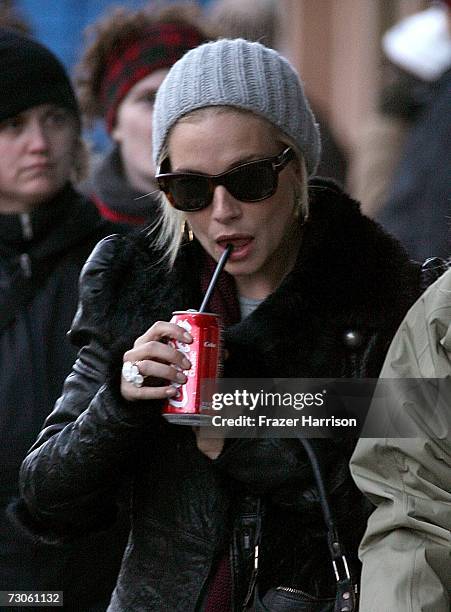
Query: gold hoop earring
x=187 y=231
x=297 y=206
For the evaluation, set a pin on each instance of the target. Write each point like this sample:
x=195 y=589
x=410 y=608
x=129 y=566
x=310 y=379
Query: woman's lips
x=242 y=246
x=38 y=168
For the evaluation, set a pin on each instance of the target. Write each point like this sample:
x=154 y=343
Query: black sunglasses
x=250 y=182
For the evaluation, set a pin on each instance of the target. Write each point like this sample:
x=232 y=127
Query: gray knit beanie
x=239 y=74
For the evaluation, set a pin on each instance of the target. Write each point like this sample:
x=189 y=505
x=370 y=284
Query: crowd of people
x=214 y=142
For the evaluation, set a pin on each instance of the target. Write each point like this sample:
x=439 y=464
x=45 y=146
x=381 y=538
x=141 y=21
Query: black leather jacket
x=187 y=509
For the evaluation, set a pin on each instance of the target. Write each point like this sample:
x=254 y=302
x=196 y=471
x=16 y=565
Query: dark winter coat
x=418 y=207
x=46 y=248
x=187 y=509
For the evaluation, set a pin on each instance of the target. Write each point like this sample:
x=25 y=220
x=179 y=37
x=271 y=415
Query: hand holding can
x=188 y=407
x=153 y=364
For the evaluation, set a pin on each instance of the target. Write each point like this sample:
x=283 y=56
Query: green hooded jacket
x=406 y=550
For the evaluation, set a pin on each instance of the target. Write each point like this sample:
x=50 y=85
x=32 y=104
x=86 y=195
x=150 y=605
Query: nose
x=225 y=207
x=37 y=137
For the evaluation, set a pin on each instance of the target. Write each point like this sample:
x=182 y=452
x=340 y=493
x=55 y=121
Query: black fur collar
x=349 y=275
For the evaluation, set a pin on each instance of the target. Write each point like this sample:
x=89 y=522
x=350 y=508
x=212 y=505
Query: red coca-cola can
x=188 y=407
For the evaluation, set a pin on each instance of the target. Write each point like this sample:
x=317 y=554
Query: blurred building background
x=335 y=45
x=60 y=24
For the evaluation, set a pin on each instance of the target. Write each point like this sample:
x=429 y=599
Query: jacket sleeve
x=406 y=550
x=69 y=479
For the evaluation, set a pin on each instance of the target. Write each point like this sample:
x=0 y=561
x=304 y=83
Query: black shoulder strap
x=347 y=593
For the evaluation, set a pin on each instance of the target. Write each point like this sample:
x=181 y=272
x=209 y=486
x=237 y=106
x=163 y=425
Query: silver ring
x=131 y=374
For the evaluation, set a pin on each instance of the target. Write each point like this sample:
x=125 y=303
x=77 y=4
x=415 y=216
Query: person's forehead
x=214 y=142
x=150 y=82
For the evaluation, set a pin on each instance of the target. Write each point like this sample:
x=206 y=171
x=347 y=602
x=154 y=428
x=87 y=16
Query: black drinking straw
x=221 y=263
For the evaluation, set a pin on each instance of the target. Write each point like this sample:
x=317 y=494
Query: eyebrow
x=239 y=162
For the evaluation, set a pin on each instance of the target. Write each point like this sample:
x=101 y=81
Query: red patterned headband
x=158 y=46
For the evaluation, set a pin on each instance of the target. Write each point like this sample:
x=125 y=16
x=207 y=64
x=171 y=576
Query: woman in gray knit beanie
x=249 y=87
x=311 y=290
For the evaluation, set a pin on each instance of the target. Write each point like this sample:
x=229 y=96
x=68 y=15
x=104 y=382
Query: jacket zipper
x=27 y=228
x=27 y=233
x=292 y=590
x=25 y=264
x=256 y=542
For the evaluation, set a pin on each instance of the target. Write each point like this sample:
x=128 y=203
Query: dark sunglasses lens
x=253 y=182
x=189 y=193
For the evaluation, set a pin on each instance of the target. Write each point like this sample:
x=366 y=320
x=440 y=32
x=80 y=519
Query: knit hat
x=239 y=74
x=31 y=75
x=157 y=46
